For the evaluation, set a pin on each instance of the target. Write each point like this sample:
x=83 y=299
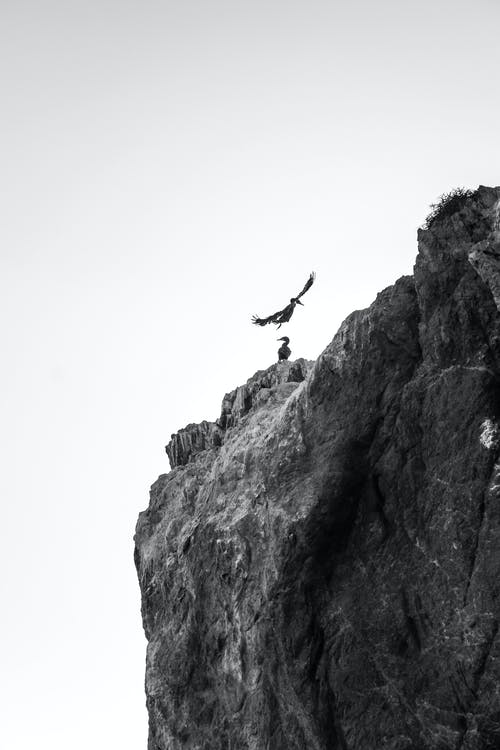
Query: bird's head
x=296 y=301
x=285 y=339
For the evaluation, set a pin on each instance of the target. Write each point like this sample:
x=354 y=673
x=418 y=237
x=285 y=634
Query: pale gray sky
x=167 y=170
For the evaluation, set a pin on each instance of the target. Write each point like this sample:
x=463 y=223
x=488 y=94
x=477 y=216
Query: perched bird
x=284 y=351
x=283 y=316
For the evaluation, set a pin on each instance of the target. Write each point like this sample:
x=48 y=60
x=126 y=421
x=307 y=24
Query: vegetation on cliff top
x=447 y=205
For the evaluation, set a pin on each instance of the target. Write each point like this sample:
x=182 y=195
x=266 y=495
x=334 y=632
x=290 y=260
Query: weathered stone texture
x=194 y=438
x=321 y=568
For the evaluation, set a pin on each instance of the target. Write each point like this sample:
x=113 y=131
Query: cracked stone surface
x=321 y=567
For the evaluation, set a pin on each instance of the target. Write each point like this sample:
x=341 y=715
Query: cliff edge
x=321 y=567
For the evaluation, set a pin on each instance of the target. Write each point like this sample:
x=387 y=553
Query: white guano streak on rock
x=490 y=434
x=496 y=220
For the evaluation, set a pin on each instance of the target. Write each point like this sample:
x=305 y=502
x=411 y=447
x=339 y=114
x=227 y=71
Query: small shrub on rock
x=447 y=205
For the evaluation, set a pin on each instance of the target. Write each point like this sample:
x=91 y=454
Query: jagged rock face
x=194 y=438
x=326 y=574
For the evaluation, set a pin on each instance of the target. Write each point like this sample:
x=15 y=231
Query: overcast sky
x=168 y=168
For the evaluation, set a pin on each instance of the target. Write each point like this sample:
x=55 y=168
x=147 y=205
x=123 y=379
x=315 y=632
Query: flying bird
x=284 y=351
x=283 y=316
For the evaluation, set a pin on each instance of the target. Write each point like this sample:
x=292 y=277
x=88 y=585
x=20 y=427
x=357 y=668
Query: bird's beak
x=300 y=303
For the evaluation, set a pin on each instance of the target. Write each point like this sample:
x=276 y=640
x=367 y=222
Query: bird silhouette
x=284 y=351
x=283 y=316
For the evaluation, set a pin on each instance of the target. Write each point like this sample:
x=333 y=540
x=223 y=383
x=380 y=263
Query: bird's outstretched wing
x=282 y=316
x=264 y=321
x=308 y=285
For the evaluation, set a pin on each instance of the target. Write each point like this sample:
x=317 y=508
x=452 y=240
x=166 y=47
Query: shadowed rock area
x=321 y=567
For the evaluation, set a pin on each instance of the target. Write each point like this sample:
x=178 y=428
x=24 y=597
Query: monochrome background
x=168 y=169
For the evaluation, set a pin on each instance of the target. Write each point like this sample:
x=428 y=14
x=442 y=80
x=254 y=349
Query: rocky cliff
x=321 y=567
